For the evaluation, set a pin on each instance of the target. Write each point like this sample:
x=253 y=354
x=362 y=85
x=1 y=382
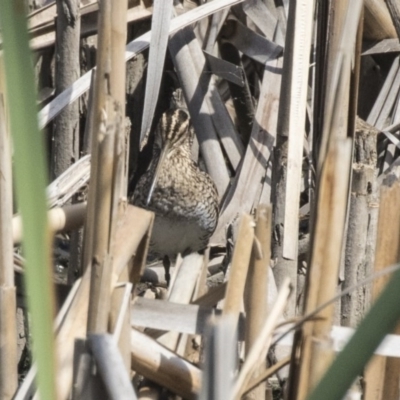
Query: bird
x=183 y=197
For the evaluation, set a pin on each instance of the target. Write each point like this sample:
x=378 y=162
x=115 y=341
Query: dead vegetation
x=295 y=106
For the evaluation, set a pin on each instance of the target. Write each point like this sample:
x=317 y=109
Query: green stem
x=30 y=180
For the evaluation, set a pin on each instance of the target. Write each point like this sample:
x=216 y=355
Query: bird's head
x=173 y=132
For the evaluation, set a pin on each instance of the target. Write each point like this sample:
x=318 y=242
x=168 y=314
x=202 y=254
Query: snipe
x=183 y=198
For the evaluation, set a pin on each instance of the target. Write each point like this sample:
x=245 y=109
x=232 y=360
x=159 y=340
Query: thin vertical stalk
x=100 y=195
x=100 y=289
x=380 y=320
x=219 y=359
x=284 y=267
x=387 y=253
x=30 y=178
x=118 y=78
x=297 y=65
x=240 y=267
x=65 y=143
x=316 y=352
x=360 y=225
x=120 y=180
x=257 y=287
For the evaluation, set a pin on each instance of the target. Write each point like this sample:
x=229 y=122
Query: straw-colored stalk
x=149 y=392
x=117 y=89
x=182 y=292
x=378 y=24
x=100 y=292
x=287 y=170
x=101 y=84
x=394 y=11
x=242 y=195
x=192 y=82
x=163 y=366
x=316 y=352
x=358 y=262
x=60 y=219
x=383 y=373
x=256 y=294
x=264 y=375
x=296 y=67
x=240 y=266
x=75 y=322
x=259 y=351
x=111 y=169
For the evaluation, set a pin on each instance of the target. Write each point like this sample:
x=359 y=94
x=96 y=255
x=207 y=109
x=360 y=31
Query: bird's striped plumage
x=184 y=198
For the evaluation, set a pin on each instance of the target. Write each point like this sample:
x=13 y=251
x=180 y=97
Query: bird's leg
x=167 y=264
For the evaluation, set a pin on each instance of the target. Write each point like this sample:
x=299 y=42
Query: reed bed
x=295 y=107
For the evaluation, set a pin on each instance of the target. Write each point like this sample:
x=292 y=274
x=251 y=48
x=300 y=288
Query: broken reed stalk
x=340 y=55
x=117 y=298
x=259 y=351
x=194 y=89
x=60 y=219
x=132 y=242
x=66 y=185
x=101 y=189
x=351 y=132
x=27 y=387
x=111 y=367
x=264 y=375
x=182 y=292
x=330 y=210
x=73 y=327
x=75 y=323
x=219 y=359
x=221 y=120
x=117 y=85
x=242 y=194
x=355 y=78
x=394 y=11
x=256 y=294
x=96 y=118
x=149 y=393
x=163 y=366
x=120 y=178
x=201 y=285
x=378 y=24
x=86 y=384
x=316 y=352
x=296 y=68
x=383 y=373
x=8 y=306
x=360 y=225
x=99 y=302
x=289 y=150
x=239 y=267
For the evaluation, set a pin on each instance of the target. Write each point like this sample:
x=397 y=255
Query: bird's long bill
x=161 y=160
